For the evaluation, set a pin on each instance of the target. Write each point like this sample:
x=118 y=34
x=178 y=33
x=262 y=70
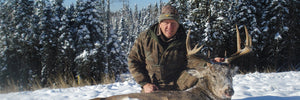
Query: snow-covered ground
x=254 y=86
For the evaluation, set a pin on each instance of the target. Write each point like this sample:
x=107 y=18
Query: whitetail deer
x=214 y=80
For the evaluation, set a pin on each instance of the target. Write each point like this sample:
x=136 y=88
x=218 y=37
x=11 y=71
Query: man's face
x=169 y=27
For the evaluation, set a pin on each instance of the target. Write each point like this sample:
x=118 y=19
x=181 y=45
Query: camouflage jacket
x=151 y=60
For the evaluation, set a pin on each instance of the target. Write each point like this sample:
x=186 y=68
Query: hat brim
x=167 y=16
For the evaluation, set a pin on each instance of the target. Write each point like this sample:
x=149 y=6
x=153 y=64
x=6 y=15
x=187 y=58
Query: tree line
x=41 y=39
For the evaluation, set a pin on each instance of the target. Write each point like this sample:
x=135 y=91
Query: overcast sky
x=117 y=4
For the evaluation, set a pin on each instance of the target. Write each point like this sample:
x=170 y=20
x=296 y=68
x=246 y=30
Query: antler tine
x=187 y=41
x=248 y=38
x=240 y=52
x=238 y=39
x=188 y=48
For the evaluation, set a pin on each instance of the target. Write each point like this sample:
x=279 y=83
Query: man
x=158 y=55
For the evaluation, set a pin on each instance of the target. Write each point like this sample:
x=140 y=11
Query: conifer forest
x=41 y=39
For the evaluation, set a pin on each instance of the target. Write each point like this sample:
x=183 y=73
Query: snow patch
x=277 y=36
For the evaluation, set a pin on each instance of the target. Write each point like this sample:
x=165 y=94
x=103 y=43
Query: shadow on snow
x=272 y=98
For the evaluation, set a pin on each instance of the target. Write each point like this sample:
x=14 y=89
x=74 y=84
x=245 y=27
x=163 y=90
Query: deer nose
x=229 y=92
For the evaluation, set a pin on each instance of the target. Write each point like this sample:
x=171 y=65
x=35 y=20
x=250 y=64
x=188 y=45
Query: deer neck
x=203 y=87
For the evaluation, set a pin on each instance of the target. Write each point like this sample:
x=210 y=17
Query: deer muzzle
x=229 y=92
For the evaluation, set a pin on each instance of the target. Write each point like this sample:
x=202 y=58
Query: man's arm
x=136 y=63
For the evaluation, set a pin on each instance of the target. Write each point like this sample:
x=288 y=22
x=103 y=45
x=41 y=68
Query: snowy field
x=254 y=86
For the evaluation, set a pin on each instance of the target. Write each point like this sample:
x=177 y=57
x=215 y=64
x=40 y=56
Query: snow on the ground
x=270 y=86
x=253 y=86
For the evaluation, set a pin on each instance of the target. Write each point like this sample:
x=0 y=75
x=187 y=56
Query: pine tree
x=114 y=55
x=5 y=40
x=274 y=26
x=148 y=19
x=293 y=35
x=66 y=46
x=244 y=15
x=221 y=26
x=58 y=11
x=183 y=9
x=48 y=41
x=19 y=51
x=36 y=46
x=197 y=20
x=123 y=34
x=89 y=40
x=136 y=23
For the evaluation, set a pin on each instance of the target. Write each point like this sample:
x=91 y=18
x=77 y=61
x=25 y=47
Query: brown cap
x=168 y=12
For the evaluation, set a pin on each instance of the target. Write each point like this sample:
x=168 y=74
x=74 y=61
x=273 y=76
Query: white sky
x=117 y=4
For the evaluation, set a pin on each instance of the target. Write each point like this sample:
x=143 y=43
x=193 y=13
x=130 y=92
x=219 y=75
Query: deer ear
x=235 y=70
x=194 y=72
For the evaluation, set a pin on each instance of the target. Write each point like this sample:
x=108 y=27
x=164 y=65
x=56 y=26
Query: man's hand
x=148 y=88
x=218 y=59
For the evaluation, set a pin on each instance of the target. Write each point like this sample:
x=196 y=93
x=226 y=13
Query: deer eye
x=214 y=77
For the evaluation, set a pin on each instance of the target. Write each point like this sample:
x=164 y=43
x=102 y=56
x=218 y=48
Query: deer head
x=216 y=77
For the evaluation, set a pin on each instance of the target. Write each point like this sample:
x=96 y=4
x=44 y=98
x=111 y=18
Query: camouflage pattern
x=152 y=60
x=168 y=12
x=186 y=81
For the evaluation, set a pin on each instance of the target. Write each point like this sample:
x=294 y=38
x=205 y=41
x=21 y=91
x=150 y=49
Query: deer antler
x=240 y=52
x=188 y=47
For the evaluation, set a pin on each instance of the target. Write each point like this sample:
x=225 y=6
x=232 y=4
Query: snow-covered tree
x=136 y=23
x=274 y=26
x=89 y=40
x=243 y=14
x=66 y=45
x=293 y=34
x=18 y=50
x=123 y=38
x=197 y=18
x=220 y=26
x=5 y=42
x=48 y=41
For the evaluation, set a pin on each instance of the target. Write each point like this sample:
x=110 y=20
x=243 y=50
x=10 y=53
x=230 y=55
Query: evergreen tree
x=136 y=23
x=123 y=34
x=274 y=29
x=58 y=12
x=19 y=54
x=220 y=27
x=48 y=42
x=89 y=40
x=148 y=19
x=66 y=46
x=293 y=35
x=183 y=9
x=36 y=46
x=5 y=40
x=244 y=14
x=198 y=19
x=115 y=56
